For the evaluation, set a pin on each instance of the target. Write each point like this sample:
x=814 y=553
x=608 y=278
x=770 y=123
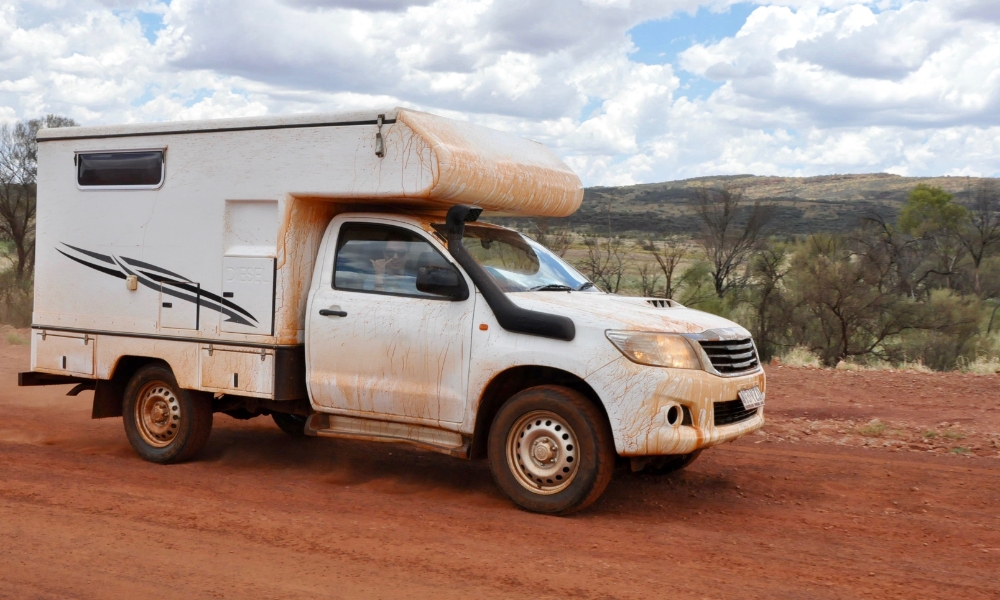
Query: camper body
x=328 y=271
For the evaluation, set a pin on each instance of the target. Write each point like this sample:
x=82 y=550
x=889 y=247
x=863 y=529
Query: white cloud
x=807 y=86
x=915 y=66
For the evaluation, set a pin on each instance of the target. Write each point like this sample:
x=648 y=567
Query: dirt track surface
x=262 y=515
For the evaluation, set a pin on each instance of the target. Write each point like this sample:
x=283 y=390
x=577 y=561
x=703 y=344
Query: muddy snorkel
x=510 y=316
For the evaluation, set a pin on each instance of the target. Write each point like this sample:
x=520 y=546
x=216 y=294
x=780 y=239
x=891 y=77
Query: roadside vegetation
x=920 y=291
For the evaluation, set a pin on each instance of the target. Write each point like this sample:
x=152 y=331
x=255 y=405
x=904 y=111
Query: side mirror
x=442 y=281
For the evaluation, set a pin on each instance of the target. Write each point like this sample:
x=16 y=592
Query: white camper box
x=190 y=268
x=223 y=247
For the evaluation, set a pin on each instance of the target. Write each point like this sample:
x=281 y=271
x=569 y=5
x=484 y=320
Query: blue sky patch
x=593 y=105
x=659 y=42
x=199 y=95
x=151 y=23
x=148 y=95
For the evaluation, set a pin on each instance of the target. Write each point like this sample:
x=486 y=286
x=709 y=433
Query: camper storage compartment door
x=179 y=304
x=70 y=353
x=238 y=371
x=248 y=294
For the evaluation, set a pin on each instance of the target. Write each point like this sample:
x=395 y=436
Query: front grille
x=734 y=356
x=732 y=411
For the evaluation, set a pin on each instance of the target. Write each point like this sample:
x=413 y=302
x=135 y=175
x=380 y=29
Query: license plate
x=752 y=398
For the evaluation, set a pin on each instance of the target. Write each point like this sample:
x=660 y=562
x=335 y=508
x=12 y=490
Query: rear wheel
x=293 y=425
x=664 y=465
x=163 y=423
x=550 y=450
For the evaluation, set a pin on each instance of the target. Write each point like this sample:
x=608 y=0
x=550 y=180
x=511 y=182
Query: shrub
x=16 y=300
x=800 y=356
x=873 y=429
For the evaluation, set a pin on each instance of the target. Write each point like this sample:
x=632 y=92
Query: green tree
x=981 y=231
x=931 y=216
x=930 y=210
x=845 y=303
x=18 y=170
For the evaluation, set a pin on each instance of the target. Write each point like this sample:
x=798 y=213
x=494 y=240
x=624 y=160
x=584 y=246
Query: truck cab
x=389 y=355
x=340 y=313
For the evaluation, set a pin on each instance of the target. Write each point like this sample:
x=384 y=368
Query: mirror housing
x=442 y=281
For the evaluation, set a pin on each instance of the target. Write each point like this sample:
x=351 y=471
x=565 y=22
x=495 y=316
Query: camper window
x=120 y=170
x=383 y=259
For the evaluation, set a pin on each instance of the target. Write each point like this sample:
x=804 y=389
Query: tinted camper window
x=120 y=169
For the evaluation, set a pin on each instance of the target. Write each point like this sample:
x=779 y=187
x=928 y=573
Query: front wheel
x=163 y=423
x=550 y=450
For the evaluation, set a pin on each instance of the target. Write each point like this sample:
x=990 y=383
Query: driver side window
x=383 y=259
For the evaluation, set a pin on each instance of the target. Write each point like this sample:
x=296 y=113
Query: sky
x=625 y=91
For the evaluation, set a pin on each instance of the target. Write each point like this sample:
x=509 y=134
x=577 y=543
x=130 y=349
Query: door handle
x=333 y=311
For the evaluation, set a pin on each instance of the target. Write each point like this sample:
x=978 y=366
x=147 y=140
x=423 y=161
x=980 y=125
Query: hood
x=610 y=311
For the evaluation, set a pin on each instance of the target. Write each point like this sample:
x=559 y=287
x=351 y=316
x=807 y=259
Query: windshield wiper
x=585 y=286
x=551 y=287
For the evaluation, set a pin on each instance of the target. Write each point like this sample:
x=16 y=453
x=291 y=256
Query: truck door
x=381 y=348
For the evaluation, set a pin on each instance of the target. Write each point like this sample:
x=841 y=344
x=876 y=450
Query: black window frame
x=411 y=232
x=79 y=158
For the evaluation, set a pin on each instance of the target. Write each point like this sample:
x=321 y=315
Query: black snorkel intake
x=510 y=316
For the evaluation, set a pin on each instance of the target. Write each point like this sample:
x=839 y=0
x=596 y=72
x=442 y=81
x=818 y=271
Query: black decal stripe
x=100 y=257
x=145 y=265
x=233 y=317
x=203 y=293
x=146 y=281
x=106 y=270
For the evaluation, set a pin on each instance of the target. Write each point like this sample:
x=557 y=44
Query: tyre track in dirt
x=267 y=516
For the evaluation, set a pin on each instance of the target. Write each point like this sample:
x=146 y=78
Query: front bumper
x=688 y=438
x=637 y=399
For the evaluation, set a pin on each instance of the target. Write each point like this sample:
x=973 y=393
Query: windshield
x=519 y=264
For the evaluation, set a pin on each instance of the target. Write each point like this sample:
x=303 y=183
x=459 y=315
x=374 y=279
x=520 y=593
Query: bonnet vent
x=661 y=303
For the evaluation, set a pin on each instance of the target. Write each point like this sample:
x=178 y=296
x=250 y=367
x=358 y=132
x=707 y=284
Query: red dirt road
x=788 y=514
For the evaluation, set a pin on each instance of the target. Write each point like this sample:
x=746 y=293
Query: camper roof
x=457 y=162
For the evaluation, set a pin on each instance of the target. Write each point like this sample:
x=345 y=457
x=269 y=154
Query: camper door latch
x=379 y=143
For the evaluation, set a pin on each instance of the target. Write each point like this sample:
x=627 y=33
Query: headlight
x=656 y=349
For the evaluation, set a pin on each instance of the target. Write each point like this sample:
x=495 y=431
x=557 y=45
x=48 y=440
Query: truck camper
x=331 y=272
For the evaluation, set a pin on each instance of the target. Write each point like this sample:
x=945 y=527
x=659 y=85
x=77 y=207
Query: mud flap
x=108 y=396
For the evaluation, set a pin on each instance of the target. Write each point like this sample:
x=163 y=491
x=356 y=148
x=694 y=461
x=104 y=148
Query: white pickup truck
x=330 y=271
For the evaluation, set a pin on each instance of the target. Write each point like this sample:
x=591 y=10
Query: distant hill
x=804 y=204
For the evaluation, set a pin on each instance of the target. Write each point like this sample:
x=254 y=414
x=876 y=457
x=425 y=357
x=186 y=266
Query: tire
x=164 y=423
x=664 y=465
x=293 y=425
x=551 y=474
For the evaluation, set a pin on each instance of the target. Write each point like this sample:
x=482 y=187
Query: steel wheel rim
x=542 y=452
x=157 y=414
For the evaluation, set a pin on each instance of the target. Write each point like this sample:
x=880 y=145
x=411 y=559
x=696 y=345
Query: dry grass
x=907 y=366
x=800 y=356
x=15 y=340
x=874 y=428
x=984 y=365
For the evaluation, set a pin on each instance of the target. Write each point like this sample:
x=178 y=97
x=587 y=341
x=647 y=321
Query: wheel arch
x=109 y=393
x=505 y=384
